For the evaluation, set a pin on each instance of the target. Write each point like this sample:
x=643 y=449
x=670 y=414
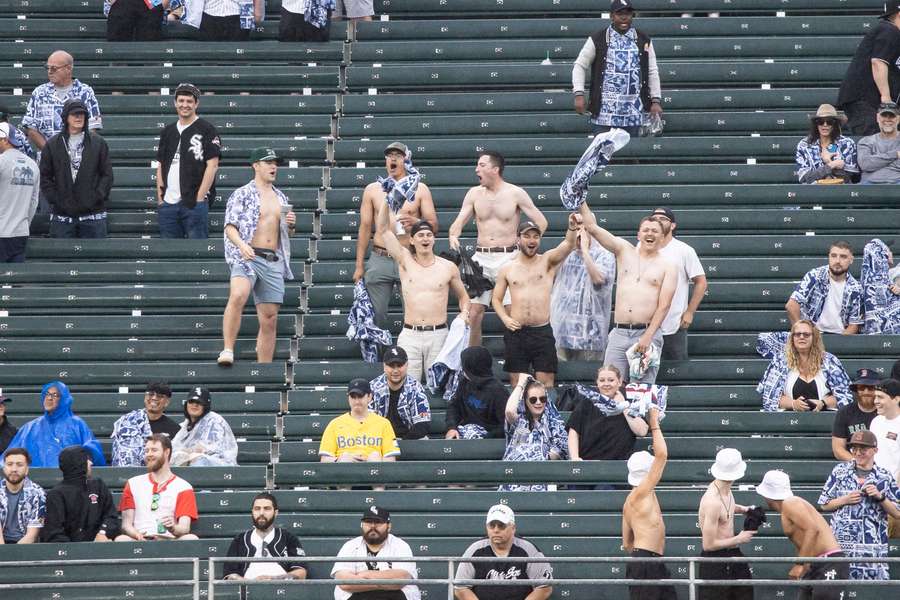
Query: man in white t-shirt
x=361 y=561
x=829 y=295
x=158 y=505
x=886 y=425
x=681 y=313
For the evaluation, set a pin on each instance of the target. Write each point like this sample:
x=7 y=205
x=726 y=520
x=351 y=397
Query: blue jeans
x=178 y=221
x=94 y=228
x=12 y=249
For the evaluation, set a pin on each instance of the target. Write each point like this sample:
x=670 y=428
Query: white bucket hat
x=729 y=465
x=775 y=485
x=638 y=467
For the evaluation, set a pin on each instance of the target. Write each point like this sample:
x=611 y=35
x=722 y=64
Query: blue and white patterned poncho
x=882 y=306
x=770 y=388
x=812 y=291
x=413 y=405
x=362 y=327
x=242 y=212
x=32 y=505
x=527 y=444
x=861 y=529
x=621 y=104
x=811 y=167
x=44 y=109
x=128 y=436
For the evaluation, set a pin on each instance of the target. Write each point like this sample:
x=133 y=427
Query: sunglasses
x=801 y=334
x=537 y=399
x=54 y=69
x=829 y=122
x=859 y=449
x=154 y=502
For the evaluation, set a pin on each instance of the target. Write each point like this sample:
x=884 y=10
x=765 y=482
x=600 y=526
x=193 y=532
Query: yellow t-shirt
x=347 y=434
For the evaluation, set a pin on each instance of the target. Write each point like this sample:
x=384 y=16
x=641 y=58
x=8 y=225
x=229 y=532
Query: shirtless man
x=380 y=272
x=717 y=510
x=426 y=281
x=810 y=534
x=259 y=254
x=645 y=285
x=496 y=206
x=528 y=339
x=643 y=529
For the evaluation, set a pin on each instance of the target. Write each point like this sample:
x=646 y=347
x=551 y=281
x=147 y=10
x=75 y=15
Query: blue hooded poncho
x=45 y=437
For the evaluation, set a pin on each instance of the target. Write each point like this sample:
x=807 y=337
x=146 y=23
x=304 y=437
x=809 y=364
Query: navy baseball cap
x=359 y=386
x=395 y=355
x=617 y=5
x=866 y=377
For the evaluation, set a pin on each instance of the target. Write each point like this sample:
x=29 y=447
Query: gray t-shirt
x=878 y=159
x=11 y=530
x=19 y=190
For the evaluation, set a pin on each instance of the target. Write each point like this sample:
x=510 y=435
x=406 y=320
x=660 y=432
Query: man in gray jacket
x=19 y=188
x=879 y=154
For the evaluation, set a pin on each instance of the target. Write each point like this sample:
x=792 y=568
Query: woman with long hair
x=824 y=155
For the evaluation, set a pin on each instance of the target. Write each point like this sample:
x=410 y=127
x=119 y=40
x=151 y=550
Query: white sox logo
x=197 y=146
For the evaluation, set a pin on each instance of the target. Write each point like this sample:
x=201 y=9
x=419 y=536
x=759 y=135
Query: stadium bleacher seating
x=449 y=79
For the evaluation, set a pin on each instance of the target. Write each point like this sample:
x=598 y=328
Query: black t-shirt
x=165 y=425
x=535 y=574
x=195 y=145
x=882 y=42
x=805 y=389
x=850 y=419
x=393 y=415
x=600 y=437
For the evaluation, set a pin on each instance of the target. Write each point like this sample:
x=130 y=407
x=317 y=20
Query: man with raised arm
x=809 y=532
x=426 y=281
x=528 y=339
x=643 y=529
x=717 y=510
x=379 y=271
x=496 y=206
x=645 y=285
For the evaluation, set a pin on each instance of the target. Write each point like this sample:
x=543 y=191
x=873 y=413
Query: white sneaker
x=226 y=358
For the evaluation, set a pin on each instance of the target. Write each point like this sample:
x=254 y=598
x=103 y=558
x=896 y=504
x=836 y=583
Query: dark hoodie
x=7 y=433
x=78 y=507
x=89 y=192
x=480 y=398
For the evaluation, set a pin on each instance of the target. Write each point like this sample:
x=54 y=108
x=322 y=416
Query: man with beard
x=263 y=540
x=829 y=295
x=855 y=416
x=360 y=561
x=645 y=285
x=80 y=508
x=496 y=206
x=528 y=339
x=22 y=501
x=426 y=282
x=380 y=272
x=158 y=505
x=401 y=399
x=879 y=154
x=258 y=224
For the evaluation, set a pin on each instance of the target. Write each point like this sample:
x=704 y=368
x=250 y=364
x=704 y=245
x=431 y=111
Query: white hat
x=775 y=485
x=638 y=467
x=502 y=513
x=4 y=130
x=729 y=465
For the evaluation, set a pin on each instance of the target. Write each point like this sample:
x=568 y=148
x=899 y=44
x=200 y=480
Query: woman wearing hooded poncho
x=205 y=438
x=45 y=437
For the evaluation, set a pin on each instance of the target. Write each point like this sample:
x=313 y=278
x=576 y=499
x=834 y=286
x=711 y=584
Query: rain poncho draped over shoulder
x=882 y=306
x=210 y=437
x=128 y=436
x=45 y=437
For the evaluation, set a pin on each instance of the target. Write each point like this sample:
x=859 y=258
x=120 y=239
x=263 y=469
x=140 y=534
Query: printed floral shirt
x=44 y=110
x=32 y=505
x=809 y=159
x=812 y=291
x=242 y=211
x=413 y=405
x=128 y=435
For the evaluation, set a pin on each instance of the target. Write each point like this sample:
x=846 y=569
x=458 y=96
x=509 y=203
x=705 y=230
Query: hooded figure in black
x=476 y=409
x=76 y=172
x=7 y=429
x=79 y=508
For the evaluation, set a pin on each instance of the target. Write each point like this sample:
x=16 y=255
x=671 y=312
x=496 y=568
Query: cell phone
x=286 y=209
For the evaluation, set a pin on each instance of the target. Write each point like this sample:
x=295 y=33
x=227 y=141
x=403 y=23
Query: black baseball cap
x=377 y=514
x=419 y=226
x=395 y=355
x=528 y=225
x=188 y=89
x=865 y=377
x=663 y=211
x=891 y=387
x=359 y=386
x=889 y=9
x=617 y=5
x=889 y=108
x=199 y=394
x=4 y=399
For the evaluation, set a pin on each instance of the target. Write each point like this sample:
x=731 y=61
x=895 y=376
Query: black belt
x=424 y=327
x=380 y=250
x=494 y=249
x=266 y=254
x=631 y=325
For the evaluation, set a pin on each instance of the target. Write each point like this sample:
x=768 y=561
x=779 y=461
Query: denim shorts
x=267 y=279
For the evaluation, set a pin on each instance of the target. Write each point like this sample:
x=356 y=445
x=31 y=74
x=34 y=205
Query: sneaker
x=226 y=358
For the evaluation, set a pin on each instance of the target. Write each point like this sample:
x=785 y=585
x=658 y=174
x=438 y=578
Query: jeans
x=12 y=249
x=94 y=228
x=179 y=222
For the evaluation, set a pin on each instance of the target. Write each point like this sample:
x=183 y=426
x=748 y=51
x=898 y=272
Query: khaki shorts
x=490 y=265
x=354 y=9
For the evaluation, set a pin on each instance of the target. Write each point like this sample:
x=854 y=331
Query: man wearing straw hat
x=809 y=533
x=717 y=510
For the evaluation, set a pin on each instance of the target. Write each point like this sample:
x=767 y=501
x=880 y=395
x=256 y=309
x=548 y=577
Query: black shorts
x=530 y=347
x=292 y=27
x=131 y=20
x=222 y=29
x=675 y=346
x=821 y=572
x=734 y=570
x=649 y=571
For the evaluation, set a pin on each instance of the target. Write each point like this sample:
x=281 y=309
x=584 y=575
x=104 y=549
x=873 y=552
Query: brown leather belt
x=380 y=250
x=496 y=249
x=424 y=327
x=631 y=325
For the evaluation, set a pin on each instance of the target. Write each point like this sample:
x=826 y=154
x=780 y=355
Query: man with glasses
x=158 y=505
x=501 y=542
x=862 y=495
x=855 y=416
x=829 y=295
x=879 y=154
x=263 y=540
x=43 y=115
x=132 y=429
